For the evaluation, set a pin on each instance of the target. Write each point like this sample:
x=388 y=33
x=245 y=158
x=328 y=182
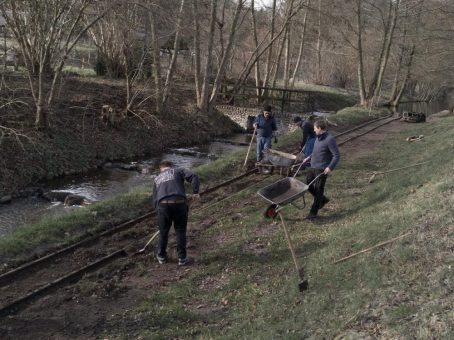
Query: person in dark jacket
x=307 y=144
x=324 y=159
x=169 y=200
x=266 y=126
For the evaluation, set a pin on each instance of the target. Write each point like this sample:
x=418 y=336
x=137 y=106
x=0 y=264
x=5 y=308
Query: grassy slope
x=247 y=287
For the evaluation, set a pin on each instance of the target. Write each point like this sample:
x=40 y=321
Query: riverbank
x=79 y=140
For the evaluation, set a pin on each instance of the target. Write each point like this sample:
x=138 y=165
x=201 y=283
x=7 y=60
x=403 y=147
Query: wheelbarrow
x=281 y=160
x=286 y=191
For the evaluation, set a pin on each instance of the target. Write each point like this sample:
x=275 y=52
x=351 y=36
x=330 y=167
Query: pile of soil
x=78 y=140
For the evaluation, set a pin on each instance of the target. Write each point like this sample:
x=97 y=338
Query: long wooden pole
x=392 y=170
x=373 y=247
x=289 y=241
x=250 y=144
x=149 y=241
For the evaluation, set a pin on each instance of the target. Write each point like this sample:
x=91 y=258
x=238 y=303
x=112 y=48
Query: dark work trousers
x=317 y=189
x=178 y=214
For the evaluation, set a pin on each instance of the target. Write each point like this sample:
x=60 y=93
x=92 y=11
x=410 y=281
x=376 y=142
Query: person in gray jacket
x=324 y=159
x=169 y=200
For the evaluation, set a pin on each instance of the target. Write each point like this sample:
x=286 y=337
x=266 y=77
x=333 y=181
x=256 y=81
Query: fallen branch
x=373 y=247
x=414 y=138
x=392 y=170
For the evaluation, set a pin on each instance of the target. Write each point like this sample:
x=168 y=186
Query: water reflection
x=105 y=183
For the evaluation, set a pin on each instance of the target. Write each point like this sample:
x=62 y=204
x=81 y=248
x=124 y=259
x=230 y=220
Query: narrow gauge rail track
x=28 y=282
x=110 y=245
x=363 y=129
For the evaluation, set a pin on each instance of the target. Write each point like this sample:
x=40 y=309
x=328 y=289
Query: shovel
x=303 y=284
x=149 y=241
x=250 y=144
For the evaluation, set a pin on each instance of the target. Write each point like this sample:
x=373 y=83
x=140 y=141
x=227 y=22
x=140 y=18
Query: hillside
x=243 y=283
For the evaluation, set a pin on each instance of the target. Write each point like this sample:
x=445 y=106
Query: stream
x=105 y=183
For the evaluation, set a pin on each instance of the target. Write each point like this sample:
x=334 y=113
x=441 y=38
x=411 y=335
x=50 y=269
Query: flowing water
x=108 y=182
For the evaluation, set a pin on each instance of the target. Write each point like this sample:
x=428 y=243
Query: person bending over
x=169 y=200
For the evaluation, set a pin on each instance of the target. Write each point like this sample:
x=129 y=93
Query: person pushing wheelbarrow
x=323 y=160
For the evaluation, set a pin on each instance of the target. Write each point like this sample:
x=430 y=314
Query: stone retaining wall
x=240 y=116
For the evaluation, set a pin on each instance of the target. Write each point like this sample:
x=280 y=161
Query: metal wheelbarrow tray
x=280 y=158
x=284 y=191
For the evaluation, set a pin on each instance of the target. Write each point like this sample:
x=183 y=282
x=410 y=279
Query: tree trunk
x=377 y=84
x=360 y=26
x=156 y=62
x=270 y=51
x=197 y=67
x=301 y=47
x=221 y=71
x=244 y=74
x=256 y=43
x=395 y=100
x=167 y=85
x=278 y=59
x=287 y=58
x=203 y=100
x=318 y=74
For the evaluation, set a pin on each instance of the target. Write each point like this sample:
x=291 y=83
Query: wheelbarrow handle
x=312 y=182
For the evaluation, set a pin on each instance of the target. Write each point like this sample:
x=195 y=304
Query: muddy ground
x=106 y=300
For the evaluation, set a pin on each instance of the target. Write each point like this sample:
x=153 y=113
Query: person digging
x=170 y=202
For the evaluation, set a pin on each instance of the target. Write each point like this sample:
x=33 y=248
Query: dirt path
x=108 y=297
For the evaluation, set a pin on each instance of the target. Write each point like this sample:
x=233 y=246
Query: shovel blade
x=303 y=285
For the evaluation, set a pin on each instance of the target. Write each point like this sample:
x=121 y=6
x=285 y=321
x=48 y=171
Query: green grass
x=246 y=287
x=357 y=114
x=401 y=290
x=84 y=72
x=49 y=232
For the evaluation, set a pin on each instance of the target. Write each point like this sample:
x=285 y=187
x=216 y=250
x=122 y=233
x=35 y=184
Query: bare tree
x=207 y=94
x=256 y=44
x=202 y=101
x=318 y=73
x=171 y=69
x=270 y=49
x=264 y=47
x=301 y=46
x=46 y=32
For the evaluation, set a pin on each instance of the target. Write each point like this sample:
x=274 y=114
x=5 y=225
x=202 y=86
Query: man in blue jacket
x=169 y=200
x=324 y=159
x=265 y=125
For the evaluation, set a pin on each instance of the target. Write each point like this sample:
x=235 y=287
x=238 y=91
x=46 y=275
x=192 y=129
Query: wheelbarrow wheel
x=271 y=211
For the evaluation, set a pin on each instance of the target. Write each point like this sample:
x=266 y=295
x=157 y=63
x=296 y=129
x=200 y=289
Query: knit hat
x=267 y=108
